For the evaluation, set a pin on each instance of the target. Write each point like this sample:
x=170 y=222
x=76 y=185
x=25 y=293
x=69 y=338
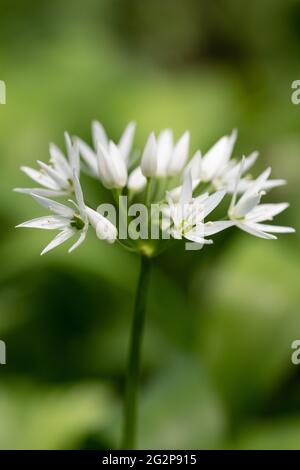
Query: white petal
x=80 y=240
x=59 y=161
x=149 y=157
x=99 y=135
x=40 y=178
x=89 y=156
x=41 y=192
x=179 y=155
x=266 y=211
x=248 y=163
x=73 y=154
x=256 y=185
x=210 y=228
x=194 y=166
x=193 y=236
x=112 y=168
x=54 y=206
x=216 y=158
x=79 y=196
x=273 y=184
x=60 y=180
x=246 y=205
x=212 y=202
x=187 y=189
x=273 y=228
x=126 y=141
x=164 y=151
x=47 y=223
x=59 y=239
x=253 y=231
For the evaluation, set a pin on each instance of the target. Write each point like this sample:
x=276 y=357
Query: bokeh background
x=217 y=371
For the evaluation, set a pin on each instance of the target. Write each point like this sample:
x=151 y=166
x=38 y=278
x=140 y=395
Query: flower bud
x=149 y=158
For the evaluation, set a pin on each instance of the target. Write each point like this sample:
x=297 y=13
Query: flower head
x=149 y=180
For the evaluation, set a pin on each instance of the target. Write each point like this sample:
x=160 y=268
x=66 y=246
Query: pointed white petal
x=60 y=180
x=164 y=151
x=217 y=157
x=273 y=228
x=112 y=168
x=88 y=155
x=40 y=178
x=73 y=154
x=196 y=237
x=99 y=135
x=246 y=205
x=47 y=223
x=249 y=161
x=59 y=162
x=194 y=166
x=212 y=202
x=126 y=141
x=59 y=239
x=79 y=196
x=80 y=240
x=273 y=184
x=59 y=209
x=257 y=185
x=179 y=155
x=266 y=211
x=41 y=192
x=187 y=189
x=210 y=228
x=247 y=227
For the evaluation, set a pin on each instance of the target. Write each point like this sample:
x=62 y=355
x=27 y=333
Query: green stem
x=133 y=370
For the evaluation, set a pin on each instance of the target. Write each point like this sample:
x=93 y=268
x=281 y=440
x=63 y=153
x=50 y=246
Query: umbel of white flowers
x=188 y=189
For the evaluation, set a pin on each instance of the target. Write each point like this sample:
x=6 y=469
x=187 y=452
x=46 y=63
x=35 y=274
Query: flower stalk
x=134 y=361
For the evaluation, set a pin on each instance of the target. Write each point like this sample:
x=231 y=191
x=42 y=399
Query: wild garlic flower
x=55 y=177
x=108 y=162
x=189 y=213
x=220 y=170
x=183 y=192
x=68 y=220
x=248 y=214
x=162 y=157
x=74 y=220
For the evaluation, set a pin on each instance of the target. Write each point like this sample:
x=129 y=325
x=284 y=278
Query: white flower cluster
x=187 y=189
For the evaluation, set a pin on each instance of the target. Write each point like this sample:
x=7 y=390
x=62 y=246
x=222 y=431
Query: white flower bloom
x=189 y=213
x=171 y=158
x=248 y=214
x=149 y=157
x=137 y=181
x=220 y=171
x=216 y=159
x=99 y=136
x=69 y=221
x=56 y=177
x=112 y=166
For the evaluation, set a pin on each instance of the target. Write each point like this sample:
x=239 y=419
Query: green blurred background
x=216 y=368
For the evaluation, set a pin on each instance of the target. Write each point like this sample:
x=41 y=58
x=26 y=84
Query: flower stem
x=133 y=370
